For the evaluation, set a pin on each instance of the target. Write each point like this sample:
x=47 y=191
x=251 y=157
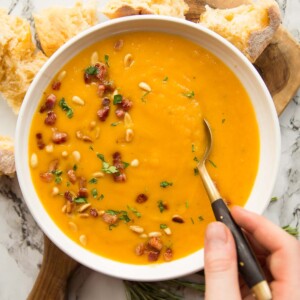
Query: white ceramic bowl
x=261 y=100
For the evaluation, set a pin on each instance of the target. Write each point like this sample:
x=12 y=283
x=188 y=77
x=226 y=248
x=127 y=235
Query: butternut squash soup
x=115 y=141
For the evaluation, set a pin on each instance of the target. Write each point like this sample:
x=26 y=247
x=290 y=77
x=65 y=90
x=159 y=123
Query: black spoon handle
x=249 y=268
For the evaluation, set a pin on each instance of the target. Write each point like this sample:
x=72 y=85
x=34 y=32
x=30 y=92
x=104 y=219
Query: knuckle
x=218 y=265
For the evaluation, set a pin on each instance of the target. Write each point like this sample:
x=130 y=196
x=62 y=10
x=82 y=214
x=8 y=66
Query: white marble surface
x=21 y=241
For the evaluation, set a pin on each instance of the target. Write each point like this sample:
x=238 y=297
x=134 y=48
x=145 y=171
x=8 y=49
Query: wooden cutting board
x=279 y=67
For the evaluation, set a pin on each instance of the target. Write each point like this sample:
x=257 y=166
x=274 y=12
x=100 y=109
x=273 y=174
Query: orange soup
x=115 y=141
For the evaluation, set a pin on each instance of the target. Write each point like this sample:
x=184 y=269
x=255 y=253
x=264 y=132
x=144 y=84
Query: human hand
x=277 y=251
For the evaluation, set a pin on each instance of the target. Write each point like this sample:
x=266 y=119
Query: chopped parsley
x=112 y=212
x=200 y=218
x=193 y=148
x=196 y=171
x=115 y=124
x=108 y=169
x=165 y=184
x=273 y=199
x=101 y=197
x=161 y=206
x=196 y=159
x=189 y=95
x=192 y=220
x=223 y=121
x=57 y=174
x=117 y=99
x=212 y=163
x=111 y=226
x=91 y=148
x=291 y=230
x=93 y=180
x=144 y=96
x=187 y=205
x=100 y=156
x=94 y=193
x=65 y=107
x=80 y=200
x=125 y=164
x=124 y=216
x=106 y=58
x=91 y=70
x=138 y=214
x=75 y=167
x=58 y=180
x=68 y=183
x=163 y=226
x=166 y=79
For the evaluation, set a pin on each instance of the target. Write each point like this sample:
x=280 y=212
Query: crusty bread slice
x=121 y=8
x=56 y=25
x=7 y=157
x=19 y=59
x=250 y=27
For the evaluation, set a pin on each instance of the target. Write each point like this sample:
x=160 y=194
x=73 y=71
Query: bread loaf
x=7 y=158
x=250 y=27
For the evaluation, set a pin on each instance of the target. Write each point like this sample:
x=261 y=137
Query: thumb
x=220 y=263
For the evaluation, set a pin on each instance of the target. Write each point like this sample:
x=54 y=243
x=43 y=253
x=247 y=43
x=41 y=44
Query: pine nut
x=154 y=234
x=84 y=215
x=93 y=124
x=55 y=191
x=34 y=160
x=61 y=75
x=78 y=100
x=129 y=135
x=49 y=148
x=83 y=240
x=98 y=174
x=135 y=163
x=64 y=209
x=116 y=92
x=97 y=134
x=127 y=120
x=101 y=212
x=76 y=155
x=168 y=231
x=64 y=154
x=128 y=60
x=72 y=226
x=94 y=58
x=137 y=229
x=145 y=86
x=143 y=236
x=84 y=207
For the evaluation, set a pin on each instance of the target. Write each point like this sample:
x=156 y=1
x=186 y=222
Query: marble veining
x=21 y=240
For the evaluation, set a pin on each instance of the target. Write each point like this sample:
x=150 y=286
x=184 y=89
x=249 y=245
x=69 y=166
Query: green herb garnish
x=144 y=96
x=75 y=167
x=93 y=180
x=106 y=58
x=163 y=226
x=108 y=169
x=58 y=180
x=111 y=226
x=187 y=205
x=161 y=206
x=273 y=199
x=94 y=193
x=65 y=107
x=91 y=70
x=138 y=214
x=291 y=230
x=80 y=200
x=125 y=164
x=196 y=171
x=193 y=148
x=212 y=163
x=117 y=99
x=166 y=79
x=189 y=94
x=68 y=183
x=192 y=220
x=223 y=121
x=57 y=174
x=124 y=216
x=91 y=147
x=164 y=184
x=112 y=212
x=100 y=156
x=115 y=124
x=200 y=218
x=101 y=197
x=196 y=159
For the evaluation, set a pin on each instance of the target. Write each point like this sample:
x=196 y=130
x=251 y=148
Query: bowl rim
x=152 y=272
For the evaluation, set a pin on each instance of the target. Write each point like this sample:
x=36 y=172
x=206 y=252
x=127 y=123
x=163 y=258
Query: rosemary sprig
x=291 y=230
x=160 y=290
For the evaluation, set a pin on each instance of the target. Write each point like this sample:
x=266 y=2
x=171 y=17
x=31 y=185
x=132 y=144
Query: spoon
x=247 y=262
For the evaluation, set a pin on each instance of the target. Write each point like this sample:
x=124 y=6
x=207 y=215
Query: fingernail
x=216 y=235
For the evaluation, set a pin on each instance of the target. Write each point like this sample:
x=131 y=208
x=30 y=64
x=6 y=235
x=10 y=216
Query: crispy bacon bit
x=106 y=101
x=141 y=198
x=120 y=113
x=40 y=142
x=168 y=255
x=155 y=243
x=102 y=71
x=56 y=85
x=120 y=177
x=118 y=45
x=82 y=182
x=49 y=104
x=103 y=113
x=116 y=156
x=87 y=78
x=109 y=86
x=140 y=249
x=126 y=104
x=153 y=256
x=94 y=212
x=47 y=176
x=59 y=137
x=51 y=118
x=117 y=162
x=72 y=176
x=83 y=192
x=110 y=219
x=101 y=90
x=177 y=219
x=53 y=165
x=68 y=196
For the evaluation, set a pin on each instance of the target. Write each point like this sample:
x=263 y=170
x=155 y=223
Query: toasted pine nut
x=127 y=120
x=61 y=75
x=128 y=60
x=55 y=191
x=101 y=212
x=72 y=226
x=168 y=231
x=76 y=155
x=83 y=240
x=97 y=134
x=93 y=124
x=94 y=58
x=116 y=92
x=84 y=215
x=154 y=234
x=145 y=86
x=143 y=235
x=64 y=154
x=84 y=207
x=64 y=209
x=135 y=163
x=98 y=174
x=49 y=148
x=34 y=160
x=137 y=229
x=78 y=100
x=129 y=135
